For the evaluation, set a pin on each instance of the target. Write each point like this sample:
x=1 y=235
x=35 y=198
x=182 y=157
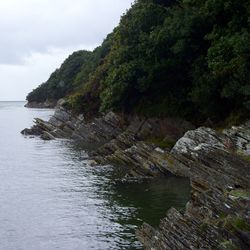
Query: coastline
x=217 y=164
x=41 y=105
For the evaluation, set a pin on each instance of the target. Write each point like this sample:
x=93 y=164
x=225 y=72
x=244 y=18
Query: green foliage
x=190 y=57
x=241 y=224
x=227 y=244
x=162 y=143
x=60 y=83
x=176 y=58
x=235 y=118
x=237 y=223
x=40 y=94
x=240 y=193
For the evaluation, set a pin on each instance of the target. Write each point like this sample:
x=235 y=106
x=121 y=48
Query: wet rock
x=47 y=136
x=114 y=139
x=35 y=130
x=215 y=218
x=65 y=124
x=217 y=163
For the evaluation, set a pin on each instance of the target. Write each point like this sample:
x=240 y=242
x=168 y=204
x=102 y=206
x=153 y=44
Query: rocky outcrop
x=115 y=139
x=217 y=163
x=132 y=149
x=41 y=105
x=64 y=124
x=218 y=214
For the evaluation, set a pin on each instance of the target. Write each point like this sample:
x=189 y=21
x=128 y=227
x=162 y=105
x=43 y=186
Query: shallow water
x=50 y=198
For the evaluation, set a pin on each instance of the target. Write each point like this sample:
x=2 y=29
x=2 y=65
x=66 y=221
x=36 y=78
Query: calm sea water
x=50 y=198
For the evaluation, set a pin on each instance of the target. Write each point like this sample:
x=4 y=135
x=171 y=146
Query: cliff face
x=217 y=163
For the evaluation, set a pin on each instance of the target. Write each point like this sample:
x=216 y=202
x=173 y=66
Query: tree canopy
x=164 y=58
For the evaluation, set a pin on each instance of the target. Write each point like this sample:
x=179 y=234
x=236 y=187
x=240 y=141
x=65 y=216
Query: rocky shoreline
x=217 y=216
x=41 y=105
x=114 y=139
x=217 y=163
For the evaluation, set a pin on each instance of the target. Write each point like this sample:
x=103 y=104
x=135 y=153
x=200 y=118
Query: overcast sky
x=37 y=35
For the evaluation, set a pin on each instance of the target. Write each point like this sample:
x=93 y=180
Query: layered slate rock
x=65 y=124
x=217 y=163
x=218 y=214
x=113 y=139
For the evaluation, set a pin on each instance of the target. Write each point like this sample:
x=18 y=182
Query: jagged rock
x=218 y=214
x=99 y=130
x=59 y=126
x=115 y=140
x=32 y=131
x=47 y=136
x=128 y=148
x=201 y=138
x=177 y=232
x=241 y=137
x=64 y=124
x=214 y=218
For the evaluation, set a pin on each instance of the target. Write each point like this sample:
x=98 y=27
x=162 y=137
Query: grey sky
x=37 y=35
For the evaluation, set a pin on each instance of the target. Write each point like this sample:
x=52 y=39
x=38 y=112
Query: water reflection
x=127 y=205
x=50 y=198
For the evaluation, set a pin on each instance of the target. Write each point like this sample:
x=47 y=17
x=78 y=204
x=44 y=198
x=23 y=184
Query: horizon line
x=13 y=100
